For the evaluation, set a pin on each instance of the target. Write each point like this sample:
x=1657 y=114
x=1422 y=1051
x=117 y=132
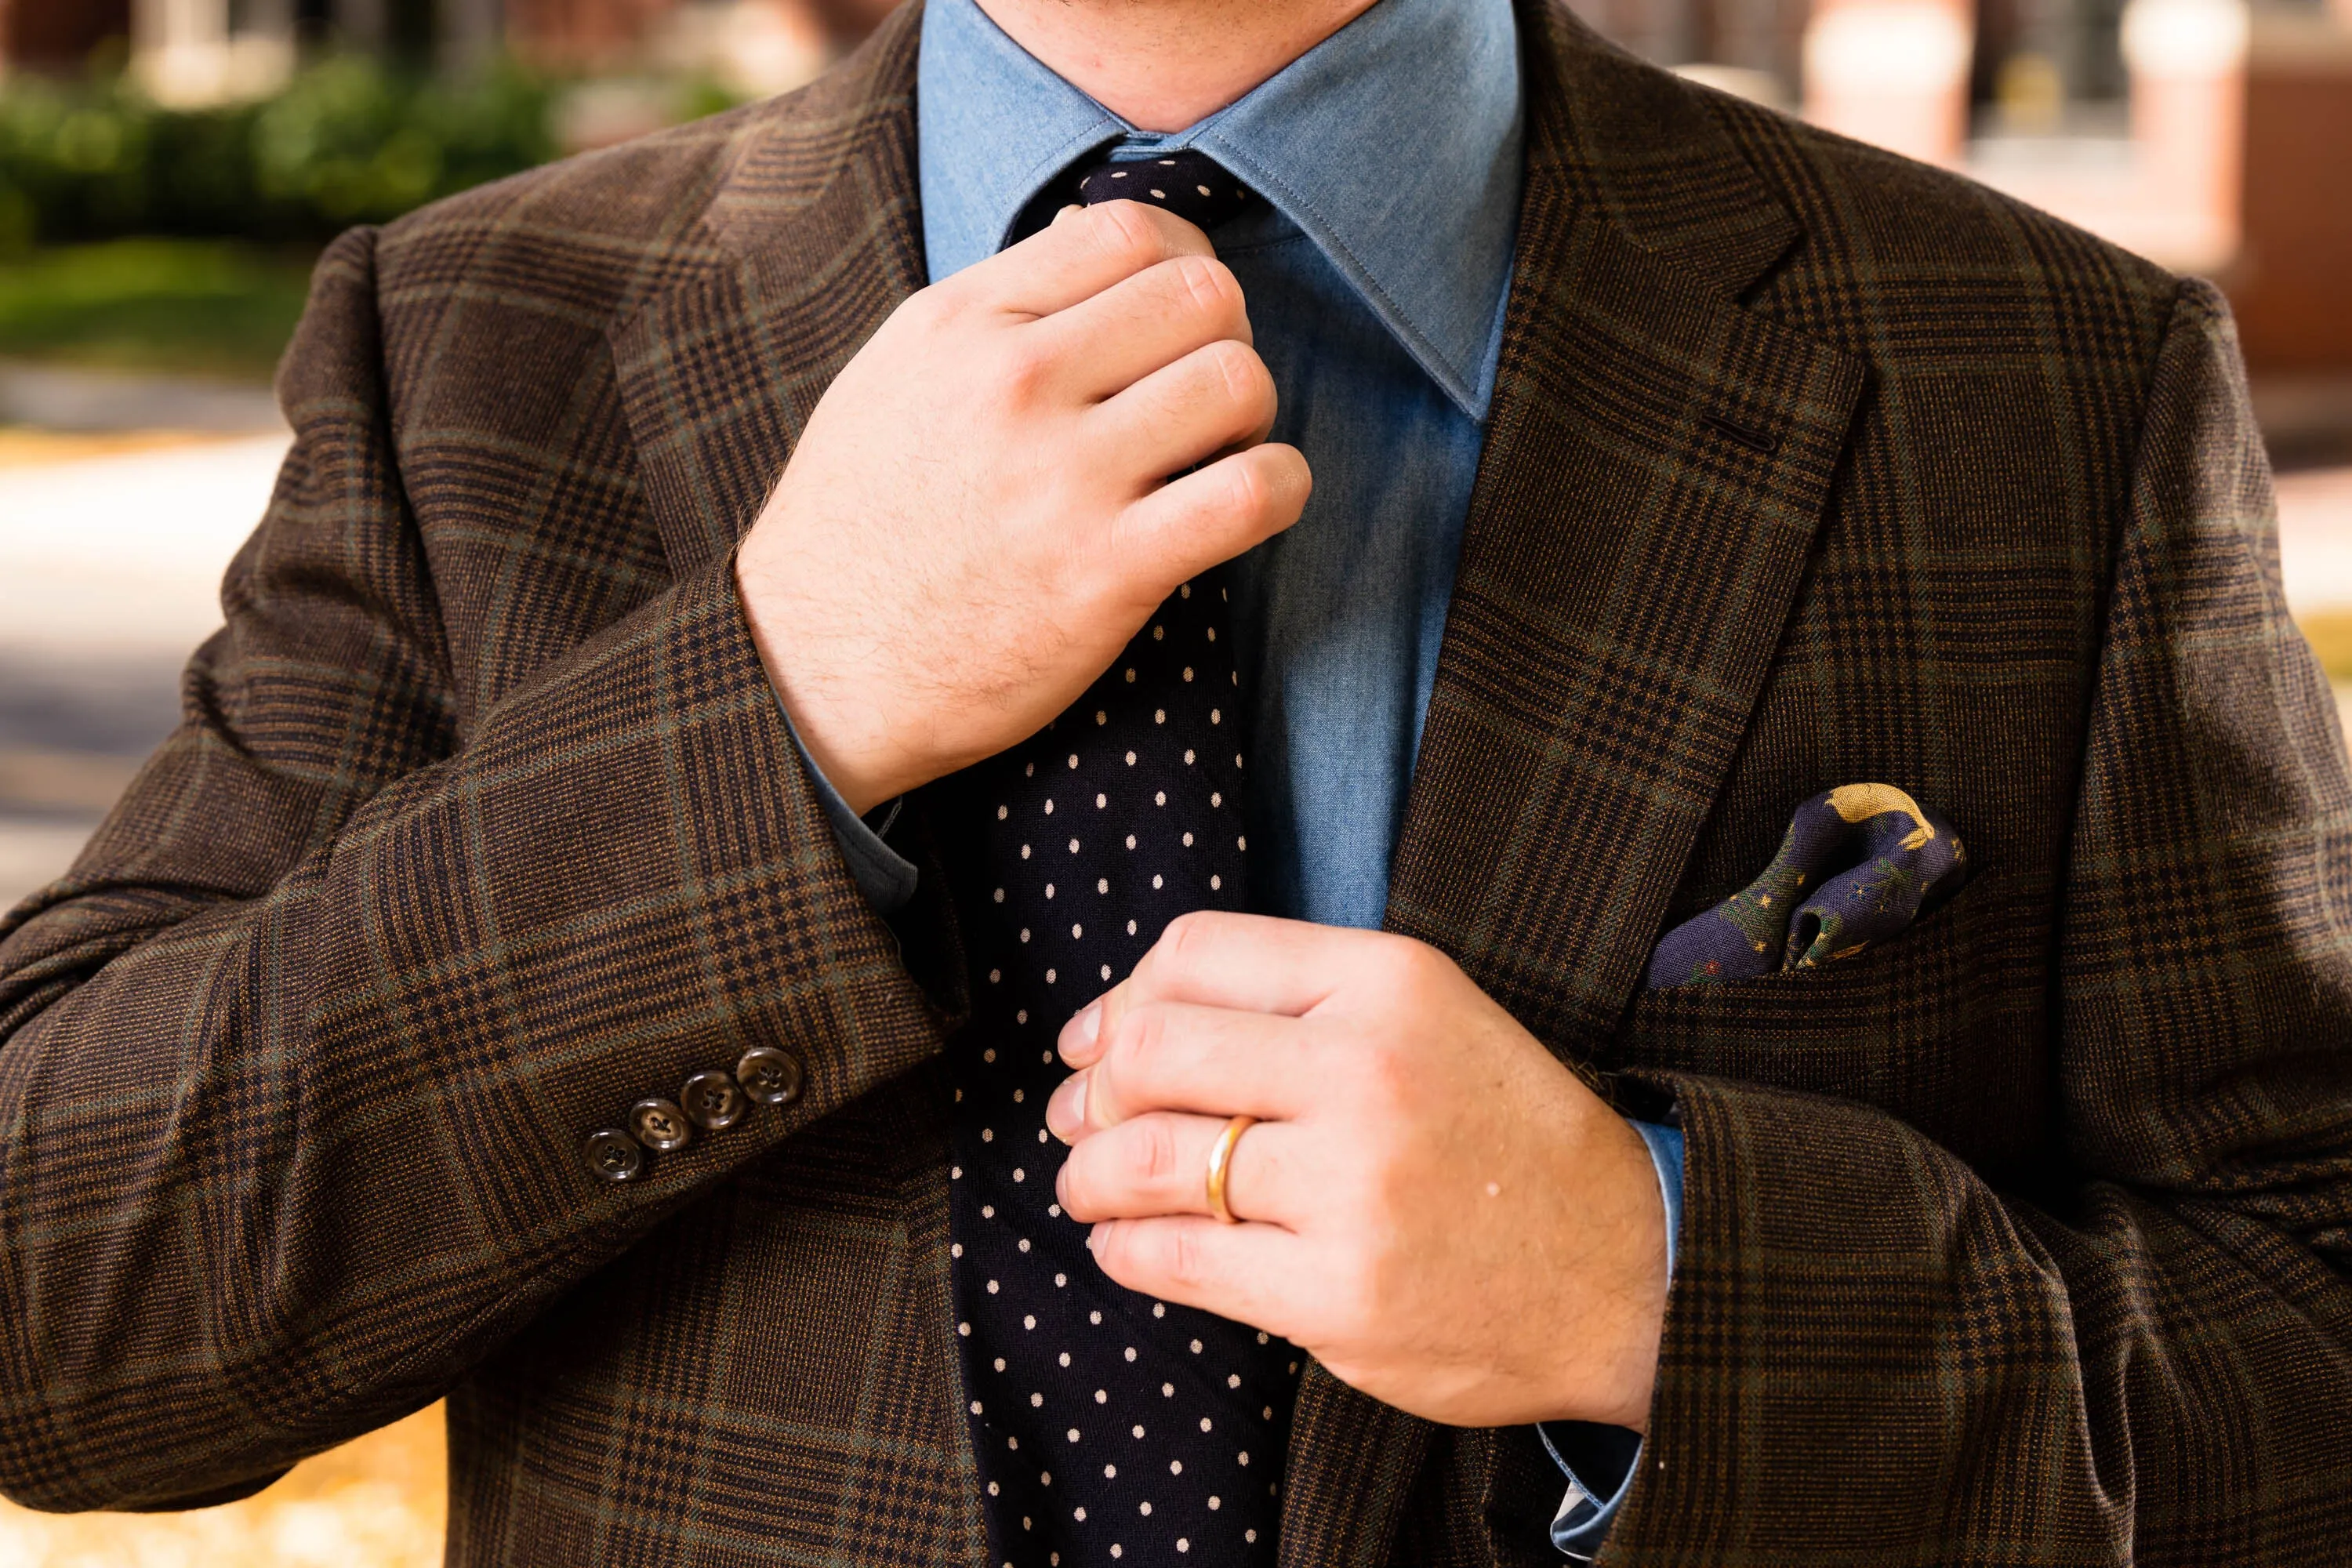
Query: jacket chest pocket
x=1941 y=1026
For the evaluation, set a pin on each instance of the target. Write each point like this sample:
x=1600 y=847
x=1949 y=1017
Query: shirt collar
x=1421 y=226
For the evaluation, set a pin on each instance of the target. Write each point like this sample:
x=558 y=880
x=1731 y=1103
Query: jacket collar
x=1657 y=462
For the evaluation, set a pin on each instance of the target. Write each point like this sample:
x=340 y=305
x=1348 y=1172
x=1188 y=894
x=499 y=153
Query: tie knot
x=1191 y=184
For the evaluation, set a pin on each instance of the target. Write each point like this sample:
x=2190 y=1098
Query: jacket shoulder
x=1888 y=239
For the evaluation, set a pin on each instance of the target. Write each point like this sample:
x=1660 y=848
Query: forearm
x=288 y=1166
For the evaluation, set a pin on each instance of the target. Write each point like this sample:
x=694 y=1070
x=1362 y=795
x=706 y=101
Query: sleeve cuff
x=885 y=877
x=1599 y=1461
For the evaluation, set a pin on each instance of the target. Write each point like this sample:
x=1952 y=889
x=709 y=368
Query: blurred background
x=170 y=168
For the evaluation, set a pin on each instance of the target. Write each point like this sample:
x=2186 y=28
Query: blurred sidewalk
x=112 y=546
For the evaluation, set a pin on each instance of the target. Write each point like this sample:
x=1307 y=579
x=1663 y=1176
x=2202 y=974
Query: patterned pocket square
x=1857 y=866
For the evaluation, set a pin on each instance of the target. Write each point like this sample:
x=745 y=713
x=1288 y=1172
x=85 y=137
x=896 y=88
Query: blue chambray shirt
x=1376 y=272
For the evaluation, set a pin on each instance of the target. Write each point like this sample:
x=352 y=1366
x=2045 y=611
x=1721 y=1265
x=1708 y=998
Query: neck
x=1162 y=65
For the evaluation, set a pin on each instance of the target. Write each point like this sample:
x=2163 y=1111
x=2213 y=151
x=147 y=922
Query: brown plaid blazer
x=2024 y=1238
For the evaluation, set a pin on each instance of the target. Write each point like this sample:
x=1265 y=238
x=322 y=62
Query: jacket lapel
x=810 y=241
x=1657 y=461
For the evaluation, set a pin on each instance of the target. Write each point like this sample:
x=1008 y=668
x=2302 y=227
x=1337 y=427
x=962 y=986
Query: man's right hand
x=980 y=512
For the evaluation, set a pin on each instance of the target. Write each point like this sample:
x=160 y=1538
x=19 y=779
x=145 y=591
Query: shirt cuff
x=885 y=877
x=1598 y=1460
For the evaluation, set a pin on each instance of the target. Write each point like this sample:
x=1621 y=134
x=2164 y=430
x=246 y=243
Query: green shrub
x=347 y=140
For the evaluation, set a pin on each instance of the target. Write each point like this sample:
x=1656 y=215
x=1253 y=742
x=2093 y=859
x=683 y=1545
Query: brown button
x=713 y=1100
x=614 y=1155
x=659 y=1125
x=770 y=1076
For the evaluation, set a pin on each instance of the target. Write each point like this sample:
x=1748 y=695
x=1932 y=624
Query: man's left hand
x=1431 y=1204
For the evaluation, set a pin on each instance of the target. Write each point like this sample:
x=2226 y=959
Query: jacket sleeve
x=1868 y=1351
x=297 y=1063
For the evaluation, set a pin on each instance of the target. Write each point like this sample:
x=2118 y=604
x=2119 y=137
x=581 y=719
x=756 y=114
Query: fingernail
x=1094 y=1239
x=1081 y=1031
x=1065 y=1112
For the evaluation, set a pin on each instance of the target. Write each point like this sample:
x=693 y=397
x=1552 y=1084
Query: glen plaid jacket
x=2023 y=1238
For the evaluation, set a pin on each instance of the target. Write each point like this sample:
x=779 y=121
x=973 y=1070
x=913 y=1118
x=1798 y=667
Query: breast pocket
x=1940 y=1026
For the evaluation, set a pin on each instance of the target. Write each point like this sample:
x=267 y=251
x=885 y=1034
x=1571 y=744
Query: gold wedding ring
x=1221 y=1157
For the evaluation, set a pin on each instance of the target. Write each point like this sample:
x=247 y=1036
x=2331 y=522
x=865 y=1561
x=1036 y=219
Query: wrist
x=853 y=764
x=1610 y=1346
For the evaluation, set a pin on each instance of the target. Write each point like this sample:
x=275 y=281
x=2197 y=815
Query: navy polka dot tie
x=1110 y=1427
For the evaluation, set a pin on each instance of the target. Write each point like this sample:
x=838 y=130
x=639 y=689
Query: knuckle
x=1208 y=287
x=1126 y=231
x=1025 y=370
x=1180 y=1261
x=1151 y=1157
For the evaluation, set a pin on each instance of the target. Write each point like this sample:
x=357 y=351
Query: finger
x=1217 y=397
x=1158 y=1165
x=1077 y=256
x=1145 y=322
x=1213 y=514
x=1255 y=1274
x=1175 y=1056
x=1255 y=962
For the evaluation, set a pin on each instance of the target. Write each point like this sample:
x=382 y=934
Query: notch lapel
x=811 y=239
x=1657 y=462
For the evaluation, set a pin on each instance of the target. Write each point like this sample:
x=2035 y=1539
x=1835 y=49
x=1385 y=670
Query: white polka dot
x=1204 y=1427
x=1101 y=1396
x=1028 y=1323
x=1130 y=1353
x=1131 y=841
x=1155 y=881
x=1074 y=845
x=1167 y=1390
x=1094 y=1317
x=1139 y=1431
x=1063 y=1280
x=1000 y=895
x=1074 y=759
x=1076 y=932
x=1101 y=717
x=1073 y=1433
x=1214 y=715
x=1130 y=674
x=1130 y=928
x=1188 y=672
x=1106 y=971
x=1024 y=933
x=1188 y=841
x=1196 y=1347
x=1101 y=800
x=1002 y=813
x=1214 y=1503
x=1102 y=884
x=1185 y=591
x=1215 y=882
x=1034 y=1399
x=1233 y=1380
x=1244 y=1456
x=1160 y=715
x=1159 y=797
x=1242 y=844
x=1049 y=805
x=1182 y=1545
x=1115 y=1551
x=1110 y=1472
x=975 y=1407
x=1130 y=759
x=1250 y=1536
x=957 y=1251
x=1261 y=1336
x=1158 y=633
x=1049 y=977
x=1188 y=756
x=1216 y=798
x=1147 y=1507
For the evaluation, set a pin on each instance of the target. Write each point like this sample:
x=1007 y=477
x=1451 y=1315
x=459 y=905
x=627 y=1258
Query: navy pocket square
x=1857 y=866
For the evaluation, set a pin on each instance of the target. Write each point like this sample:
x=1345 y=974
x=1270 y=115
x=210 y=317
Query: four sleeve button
x=770 y=1076
x=713 y=1101
x=614 y=1155
x=659 y=1125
